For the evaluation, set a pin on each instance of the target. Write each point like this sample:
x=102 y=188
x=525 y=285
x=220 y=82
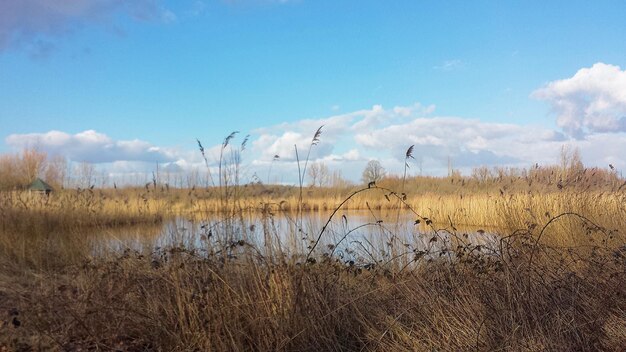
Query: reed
x=179 y=299
x=550 y=277
x=25 y=211
x=506 y=212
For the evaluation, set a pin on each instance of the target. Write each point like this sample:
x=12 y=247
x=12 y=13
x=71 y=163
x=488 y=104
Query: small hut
x=40 y=186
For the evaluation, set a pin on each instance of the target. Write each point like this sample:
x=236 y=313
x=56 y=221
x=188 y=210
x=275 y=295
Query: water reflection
x=349 y=234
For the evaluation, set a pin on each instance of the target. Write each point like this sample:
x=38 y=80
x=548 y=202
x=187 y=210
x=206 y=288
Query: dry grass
x=32 y=212
x=507 y=212
x=181 y=299
x=554 y=281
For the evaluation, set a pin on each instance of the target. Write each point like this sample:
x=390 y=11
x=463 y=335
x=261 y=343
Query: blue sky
x=481 y=82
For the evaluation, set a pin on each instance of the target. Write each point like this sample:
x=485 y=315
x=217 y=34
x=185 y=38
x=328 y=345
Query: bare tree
x=373 y=172
x=56 y=169
x=318 y=174
x=571 y=162
x=9 y=175
x=32 y=164
x=86 y=173
x=337 y=180
x=482 y=174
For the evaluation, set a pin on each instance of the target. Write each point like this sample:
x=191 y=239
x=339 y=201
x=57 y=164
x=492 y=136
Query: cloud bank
x=91 y=146
x=348 y=141
x=385 y=134
x=589 y=107
x=591 y=101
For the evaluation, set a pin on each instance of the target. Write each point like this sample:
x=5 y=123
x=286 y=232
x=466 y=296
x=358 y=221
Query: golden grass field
x=554 y=282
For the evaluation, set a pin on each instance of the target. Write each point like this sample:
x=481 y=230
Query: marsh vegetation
x=504 y=259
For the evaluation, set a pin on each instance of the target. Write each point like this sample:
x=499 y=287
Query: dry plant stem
x=332 y=215
x=336 y=245
x=554 y=289
x=314 y=141
x=206 y=162
x=543 y=229
x=299 y=211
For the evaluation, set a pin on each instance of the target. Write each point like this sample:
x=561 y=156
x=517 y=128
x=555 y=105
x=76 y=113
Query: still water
x=347 y=234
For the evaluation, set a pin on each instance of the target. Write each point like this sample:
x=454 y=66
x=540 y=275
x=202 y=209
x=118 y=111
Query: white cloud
x=352 y=154
x=386 y=134
x=347 y=142
x=92 y=146
x=280 y=139
x=466 y=141
x=337 y=130
x=283 y=146
x=414 y=109
x=350 y=139
x=592 y=101
x=32 y=23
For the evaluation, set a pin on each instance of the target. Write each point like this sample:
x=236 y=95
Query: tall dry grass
x=555 y=283
x=552 y=280
x=506 y=212
x=181 y=299
x=29 y=211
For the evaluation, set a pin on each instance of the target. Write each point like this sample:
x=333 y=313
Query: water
x=351 y=235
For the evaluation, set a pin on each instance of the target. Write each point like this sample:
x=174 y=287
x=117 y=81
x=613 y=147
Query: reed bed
x=506 y=212
x=228 y=297
x=552 y=278
x=553 y=283
x=32 y=212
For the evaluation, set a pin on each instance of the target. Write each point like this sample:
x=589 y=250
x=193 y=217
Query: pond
x=348 y=234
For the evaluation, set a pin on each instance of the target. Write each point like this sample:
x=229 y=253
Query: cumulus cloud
x=351 y=139
x=377 y=132
x=32 y=23
x=347 y=142
x=591 y=101
x=337 y=131
x=285 y=146
x=92 y=146
x=466 y=141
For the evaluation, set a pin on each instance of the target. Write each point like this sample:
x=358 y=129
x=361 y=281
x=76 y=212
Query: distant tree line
x=18 y=170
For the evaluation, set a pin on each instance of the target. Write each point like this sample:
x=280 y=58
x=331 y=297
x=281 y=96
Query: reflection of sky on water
x=349 y=234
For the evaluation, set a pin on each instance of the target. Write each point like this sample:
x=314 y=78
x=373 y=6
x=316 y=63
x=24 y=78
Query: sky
x=129 y=84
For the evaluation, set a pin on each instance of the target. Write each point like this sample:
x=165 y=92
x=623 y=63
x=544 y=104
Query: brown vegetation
x=553 y=279
x=232 y=297
x=19 y=170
